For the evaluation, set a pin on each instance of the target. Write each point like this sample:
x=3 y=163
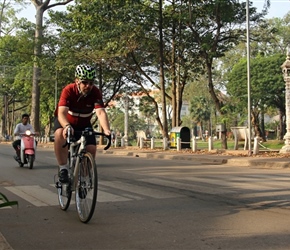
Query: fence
x=193 y=143
x=153 y=142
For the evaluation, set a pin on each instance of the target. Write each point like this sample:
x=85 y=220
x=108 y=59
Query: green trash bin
x=180 y=132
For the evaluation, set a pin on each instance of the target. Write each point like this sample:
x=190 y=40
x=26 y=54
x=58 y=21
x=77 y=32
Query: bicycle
x=83 y=177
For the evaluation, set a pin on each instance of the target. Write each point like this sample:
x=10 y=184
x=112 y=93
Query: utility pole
x=126 y=120
x=286 y=74
x=249 y=79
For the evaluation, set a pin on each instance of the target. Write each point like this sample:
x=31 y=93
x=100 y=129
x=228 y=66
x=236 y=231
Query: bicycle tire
x=87 y=188
x=64 y=192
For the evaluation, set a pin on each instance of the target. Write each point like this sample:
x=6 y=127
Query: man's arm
x=62 y=116
x=16 y=130
x=104 y=121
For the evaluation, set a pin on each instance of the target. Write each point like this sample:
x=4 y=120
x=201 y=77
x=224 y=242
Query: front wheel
x=87 y=188
x=30 y=160
x=64 y=193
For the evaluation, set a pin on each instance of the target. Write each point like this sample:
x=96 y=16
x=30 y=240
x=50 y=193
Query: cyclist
x=75 y=108
x=20 y=129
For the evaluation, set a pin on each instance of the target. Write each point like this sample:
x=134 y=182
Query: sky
x=279 y=8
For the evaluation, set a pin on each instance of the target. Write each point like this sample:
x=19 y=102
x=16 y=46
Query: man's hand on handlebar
x=65 y=130
x=107 y=132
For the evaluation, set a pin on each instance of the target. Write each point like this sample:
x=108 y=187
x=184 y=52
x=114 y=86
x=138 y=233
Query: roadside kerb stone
x=158 y=155
x=260 y=163
x=233 y=160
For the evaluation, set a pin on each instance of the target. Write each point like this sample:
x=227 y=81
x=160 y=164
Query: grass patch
x=273 y=144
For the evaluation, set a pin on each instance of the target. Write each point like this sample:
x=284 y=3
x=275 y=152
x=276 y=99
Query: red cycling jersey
x=80 y=106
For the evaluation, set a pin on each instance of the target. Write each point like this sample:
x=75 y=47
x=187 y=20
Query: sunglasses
x=85 y=82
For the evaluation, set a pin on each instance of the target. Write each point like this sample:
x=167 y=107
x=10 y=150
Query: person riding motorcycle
x=20 y=129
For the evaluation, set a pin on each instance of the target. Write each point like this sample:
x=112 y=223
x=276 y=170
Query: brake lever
x=68 y=137
x=109 y=142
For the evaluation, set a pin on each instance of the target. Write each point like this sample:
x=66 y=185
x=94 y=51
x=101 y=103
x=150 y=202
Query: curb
x=281 y=163
x=167 y=156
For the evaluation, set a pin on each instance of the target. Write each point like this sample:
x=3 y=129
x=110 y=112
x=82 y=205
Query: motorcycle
x=27 y=149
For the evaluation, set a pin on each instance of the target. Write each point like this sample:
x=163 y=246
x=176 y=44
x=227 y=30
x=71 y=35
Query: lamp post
x=286 y=74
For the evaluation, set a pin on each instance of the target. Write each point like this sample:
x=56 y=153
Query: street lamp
x=286 y=74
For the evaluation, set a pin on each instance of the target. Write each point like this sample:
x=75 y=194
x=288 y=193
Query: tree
x=8 y=25
x=41 y=6
x=267 y=87
x=114 y=34
x=147 y=109
x=216 y=27
x=126 y=39
x=15 y=55
x=8 y=20
x=200 y=112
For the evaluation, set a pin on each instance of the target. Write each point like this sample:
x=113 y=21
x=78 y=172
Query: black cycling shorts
x=91 y=140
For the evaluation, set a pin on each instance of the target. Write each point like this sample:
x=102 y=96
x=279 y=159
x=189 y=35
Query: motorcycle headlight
x=28 y=132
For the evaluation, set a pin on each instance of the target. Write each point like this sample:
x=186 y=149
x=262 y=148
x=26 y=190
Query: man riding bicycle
x=75 y=108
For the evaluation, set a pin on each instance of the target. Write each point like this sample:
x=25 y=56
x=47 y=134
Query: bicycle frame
x=84 y=186
x=80 y=147
x=76 y=149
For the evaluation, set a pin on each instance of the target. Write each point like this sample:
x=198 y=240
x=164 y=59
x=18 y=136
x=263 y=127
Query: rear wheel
x=87 y=188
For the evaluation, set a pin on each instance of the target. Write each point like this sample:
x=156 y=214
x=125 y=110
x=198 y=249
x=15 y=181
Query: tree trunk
x=40 y=7
x=173 y=85
x=282 y=126
x=161 y=76
x=35 y=102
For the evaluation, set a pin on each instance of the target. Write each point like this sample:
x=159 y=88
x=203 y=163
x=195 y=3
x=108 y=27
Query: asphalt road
x=149 y=204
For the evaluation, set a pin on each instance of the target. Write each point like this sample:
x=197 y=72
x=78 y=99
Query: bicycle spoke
x=64 y=195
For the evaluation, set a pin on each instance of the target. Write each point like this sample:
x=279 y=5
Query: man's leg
x=16 y=146
x=61 y=154
x=91 y=145
x=92 y=149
